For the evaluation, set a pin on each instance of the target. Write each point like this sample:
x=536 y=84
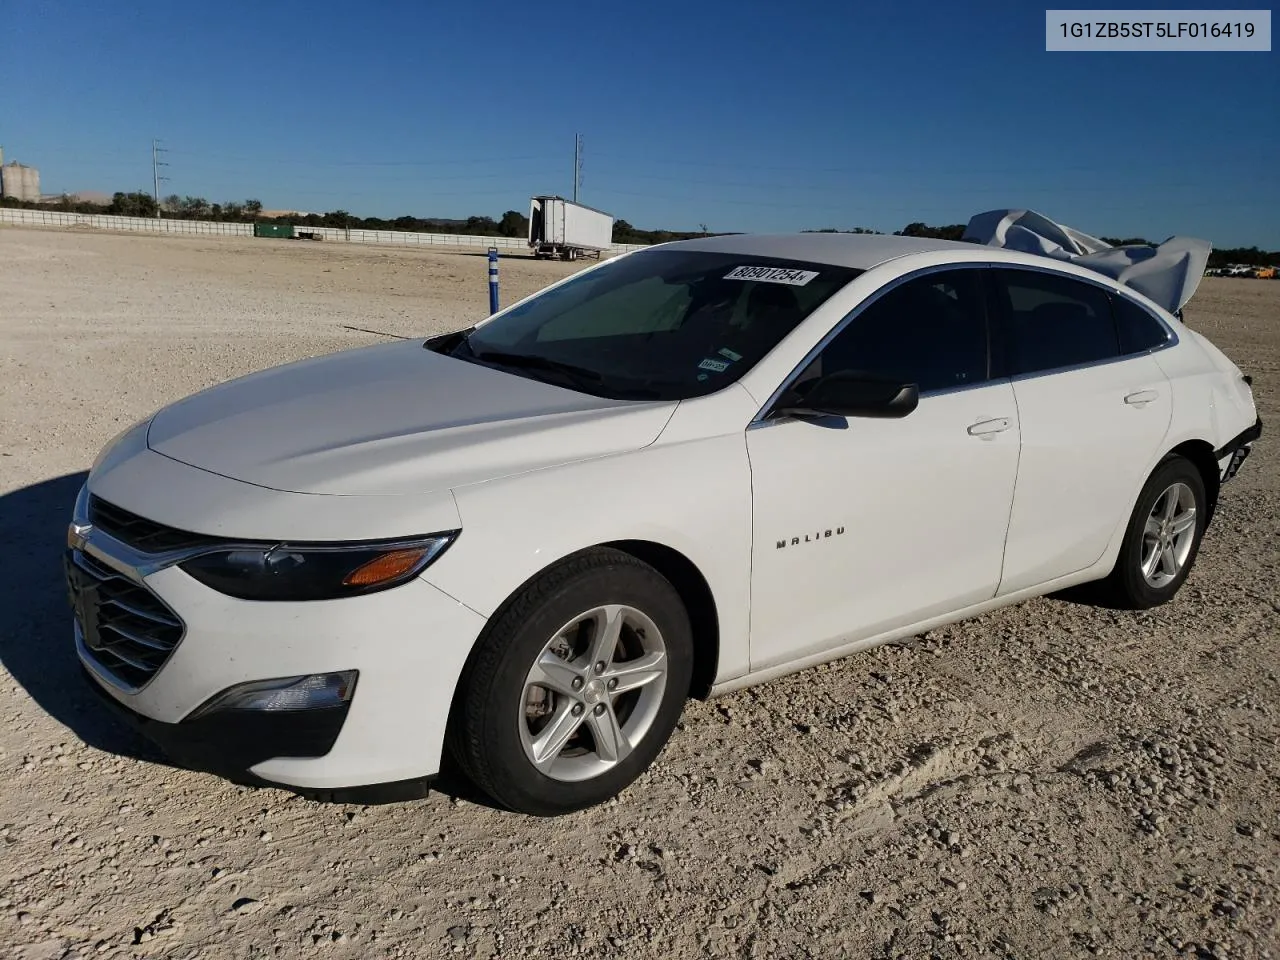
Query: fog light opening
x=316 y=691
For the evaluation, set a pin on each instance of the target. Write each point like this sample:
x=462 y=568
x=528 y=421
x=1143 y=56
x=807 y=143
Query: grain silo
x=11 y=184
x=18 y=182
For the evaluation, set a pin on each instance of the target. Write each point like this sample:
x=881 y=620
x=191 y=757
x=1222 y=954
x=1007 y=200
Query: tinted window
x=662 y=324
x=1138 y=329
x=929 y=331
x=1053 y=321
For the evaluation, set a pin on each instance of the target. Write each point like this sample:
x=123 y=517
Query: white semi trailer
x=560 y=228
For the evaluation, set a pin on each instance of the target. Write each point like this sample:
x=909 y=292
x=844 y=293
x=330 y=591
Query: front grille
x=140 y=533
x=127 y=629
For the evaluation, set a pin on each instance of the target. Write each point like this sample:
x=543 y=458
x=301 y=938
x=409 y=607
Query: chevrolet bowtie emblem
x=77 y=534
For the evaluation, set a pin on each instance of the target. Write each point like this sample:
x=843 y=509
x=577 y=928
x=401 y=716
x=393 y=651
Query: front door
x=863 y=525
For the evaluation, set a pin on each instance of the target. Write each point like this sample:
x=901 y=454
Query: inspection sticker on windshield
x=719 y=366
x=796 y=278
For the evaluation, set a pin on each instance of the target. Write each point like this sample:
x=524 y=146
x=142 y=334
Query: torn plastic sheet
x=1167 y=273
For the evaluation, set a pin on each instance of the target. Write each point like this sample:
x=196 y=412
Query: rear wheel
x=1162 y=539
x=576 y=686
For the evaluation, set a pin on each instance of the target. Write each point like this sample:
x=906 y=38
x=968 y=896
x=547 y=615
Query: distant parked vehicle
x=560 y=228
x=683 y=471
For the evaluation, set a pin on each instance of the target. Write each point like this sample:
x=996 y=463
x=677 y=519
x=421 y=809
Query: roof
x=861 y=251
x=1167 y=274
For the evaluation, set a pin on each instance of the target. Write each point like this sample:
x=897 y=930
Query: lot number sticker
x=796 y=278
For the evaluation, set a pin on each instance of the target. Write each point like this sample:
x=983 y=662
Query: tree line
x=141 y=204
x=1218 y=257
x=512 y=223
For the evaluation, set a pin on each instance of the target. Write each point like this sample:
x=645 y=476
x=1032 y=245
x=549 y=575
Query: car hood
x=393 y=419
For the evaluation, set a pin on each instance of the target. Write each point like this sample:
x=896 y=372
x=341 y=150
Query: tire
x=553 y=749
x=1130 y=585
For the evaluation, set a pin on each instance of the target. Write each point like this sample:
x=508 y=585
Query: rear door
x=1092 y=415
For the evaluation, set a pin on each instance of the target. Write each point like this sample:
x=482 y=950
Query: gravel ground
x=1050 y=780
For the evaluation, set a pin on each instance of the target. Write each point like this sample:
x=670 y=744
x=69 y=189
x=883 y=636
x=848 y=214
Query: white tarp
x=1168 y=273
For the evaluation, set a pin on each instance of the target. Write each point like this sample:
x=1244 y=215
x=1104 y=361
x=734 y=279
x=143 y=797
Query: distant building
x=18 y=181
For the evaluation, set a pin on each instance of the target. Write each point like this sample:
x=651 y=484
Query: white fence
x=96 y=221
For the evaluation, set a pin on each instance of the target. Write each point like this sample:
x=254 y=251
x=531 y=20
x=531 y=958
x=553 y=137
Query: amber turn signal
x=386 y=567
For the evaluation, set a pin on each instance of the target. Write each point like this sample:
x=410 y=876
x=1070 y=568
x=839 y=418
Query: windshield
x=661 y=324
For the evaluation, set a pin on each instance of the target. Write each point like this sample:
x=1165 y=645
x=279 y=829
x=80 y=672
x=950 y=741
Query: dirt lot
x=1048 y=781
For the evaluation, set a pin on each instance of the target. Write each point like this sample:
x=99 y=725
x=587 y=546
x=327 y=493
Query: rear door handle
x=1142 y=397
x=987 y=429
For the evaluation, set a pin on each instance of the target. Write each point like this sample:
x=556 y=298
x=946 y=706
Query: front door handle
x=987 y=429
x=1142 y=398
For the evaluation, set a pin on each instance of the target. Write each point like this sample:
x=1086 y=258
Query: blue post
x=493 y=280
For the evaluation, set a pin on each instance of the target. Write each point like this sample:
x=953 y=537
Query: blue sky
x=742 y=116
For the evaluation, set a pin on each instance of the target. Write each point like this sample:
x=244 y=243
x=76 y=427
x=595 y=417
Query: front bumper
x=231 y=744
x=408 y=644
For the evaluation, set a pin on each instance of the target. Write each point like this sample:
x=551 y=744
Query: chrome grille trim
x=139 y=612
x=138 y=630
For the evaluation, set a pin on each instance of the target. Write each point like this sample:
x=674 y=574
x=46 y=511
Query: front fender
x=692 y=496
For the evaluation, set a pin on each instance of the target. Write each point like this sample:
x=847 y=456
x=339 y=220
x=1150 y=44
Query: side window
x=1053 y=321
x=930 y=331
x=1139 y=331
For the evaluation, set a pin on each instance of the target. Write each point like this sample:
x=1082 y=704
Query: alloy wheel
x=1169 y=534
x=593 y=692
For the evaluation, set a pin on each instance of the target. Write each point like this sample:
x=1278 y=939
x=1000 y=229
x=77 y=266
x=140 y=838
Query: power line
x=834 y=206
x=898 y=166
x=924 y=189
x=496 y=192
x=311 y=162
x=399 y=180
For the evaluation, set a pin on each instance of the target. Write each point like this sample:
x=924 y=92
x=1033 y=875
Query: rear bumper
x=1233 y=453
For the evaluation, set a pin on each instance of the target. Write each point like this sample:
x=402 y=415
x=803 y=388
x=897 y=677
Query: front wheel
x=576 y=685
x=1162 y=539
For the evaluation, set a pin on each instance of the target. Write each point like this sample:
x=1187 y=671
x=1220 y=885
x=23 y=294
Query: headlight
x=315 y=571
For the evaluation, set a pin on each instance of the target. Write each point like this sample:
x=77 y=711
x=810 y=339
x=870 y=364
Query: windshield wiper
x=572 y=372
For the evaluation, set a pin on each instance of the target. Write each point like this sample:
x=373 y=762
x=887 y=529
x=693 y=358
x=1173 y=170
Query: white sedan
x=683 y=471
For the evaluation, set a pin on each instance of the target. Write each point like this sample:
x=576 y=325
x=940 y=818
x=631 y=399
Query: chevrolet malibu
x=680 y=472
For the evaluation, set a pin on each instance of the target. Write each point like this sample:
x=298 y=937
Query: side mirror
x=848 y=393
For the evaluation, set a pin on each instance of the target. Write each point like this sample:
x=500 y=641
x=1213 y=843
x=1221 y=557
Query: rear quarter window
x=1138 y=330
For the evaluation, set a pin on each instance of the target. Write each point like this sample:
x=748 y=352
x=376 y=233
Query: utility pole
x=156 y=164
x=577 y=165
